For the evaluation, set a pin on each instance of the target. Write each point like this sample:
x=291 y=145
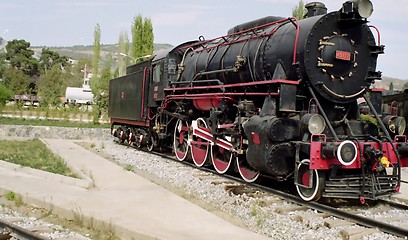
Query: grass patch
x=129 y=168
x=11 y=196
x=34 y=154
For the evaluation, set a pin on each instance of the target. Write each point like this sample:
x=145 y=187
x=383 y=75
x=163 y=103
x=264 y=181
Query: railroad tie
x=283 y=210
x=356 y=234
x=307 y=217
x=337 y=223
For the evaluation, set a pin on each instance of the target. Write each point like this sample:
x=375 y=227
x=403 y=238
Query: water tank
x=79 y=95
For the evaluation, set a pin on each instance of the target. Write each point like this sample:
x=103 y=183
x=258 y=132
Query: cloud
x=181 y=14
x=181 y=18
x=294 y=3
x=4 y=6
x=87 y=4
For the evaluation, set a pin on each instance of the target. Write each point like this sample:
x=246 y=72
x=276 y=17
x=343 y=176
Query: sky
x=54 y=23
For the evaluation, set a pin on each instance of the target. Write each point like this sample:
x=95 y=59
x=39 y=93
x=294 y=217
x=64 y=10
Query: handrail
x=296 y=39
x=378 y=33
x=233 y=85
x=252 y=35
x=143 y=91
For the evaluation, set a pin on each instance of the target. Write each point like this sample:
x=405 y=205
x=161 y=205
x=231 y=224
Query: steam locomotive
x=275 y=97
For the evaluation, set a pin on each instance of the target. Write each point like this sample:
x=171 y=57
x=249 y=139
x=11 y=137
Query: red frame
x=145 y=70
x=128 y=122
x=318 y=163
x=245 y=84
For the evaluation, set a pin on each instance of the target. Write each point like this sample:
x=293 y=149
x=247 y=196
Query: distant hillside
x=81 y=51
x=398 y=84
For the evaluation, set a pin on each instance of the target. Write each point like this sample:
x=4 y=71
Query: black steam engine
x=275 y=97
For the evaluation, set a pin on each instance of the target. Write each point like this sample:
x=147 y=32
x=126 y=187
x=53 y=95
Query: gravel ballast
x=193 y=184
x=242 y=209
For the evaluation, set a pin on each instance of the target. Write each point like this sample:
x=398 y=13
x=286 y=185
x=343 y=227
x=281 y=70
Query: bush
x=5 y=94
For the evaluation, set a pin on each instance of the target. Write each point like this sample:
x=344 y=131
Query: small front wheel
x=309 y=183
x=151 y=144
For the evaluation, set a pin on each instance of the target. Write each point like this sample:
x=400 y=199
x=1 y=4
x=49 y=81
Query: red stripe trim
x=230 y=125
x=378 y=33
x=224 y=144
x=296 y=39
x=203 y=134
x=200 y=143
x=222 y=95
x=275 y=81
x=208 y=137
x=143 y=91
x=129 y=122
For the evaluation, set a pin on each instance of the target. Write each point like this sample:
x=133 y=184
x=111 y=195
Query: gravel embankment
x=255 y=213
x=241 y=209
x=41 y=227
x=27 y=219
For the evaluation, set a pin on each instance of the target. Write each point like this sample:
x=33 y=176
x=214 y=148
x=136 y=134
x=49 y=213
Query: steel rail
x=19 y=232
x=357 y=219
x=393 y=204
x=360 y=220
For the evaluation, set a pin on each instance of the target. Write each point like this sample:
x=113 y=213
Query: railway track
x=359 y=216
x=351 y=217
x=12 y=231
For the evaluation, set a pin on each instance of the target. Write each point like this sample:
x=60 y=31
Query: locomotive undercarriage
x=313 y=184
x=327 y=171
x=227 y=150
x=229 y=139
x=364 y=183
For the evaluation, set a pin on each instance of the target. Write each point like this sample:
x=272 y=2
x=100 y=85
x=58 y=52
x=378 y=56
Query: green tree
x=3 y=64
x=21 y=57
x=50 y=86
x=49 y=58
x=137 y=37
x=391 y=87
x=148 y=37
x=100 y=90
x=299 y=11
x=405 y=86
x=15 y=80
x=142 y=38
x=5 y=94
x=123 y=50
x=96 y=51
x=127 y=48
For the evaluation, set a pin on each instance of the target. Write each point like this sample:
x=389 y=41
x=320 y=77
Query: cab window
x=156 y=73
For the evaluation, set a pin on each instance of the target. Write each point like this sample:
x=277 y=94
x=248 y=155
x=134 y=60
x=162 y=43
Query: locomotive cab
x=159 y=77
x=164 y=72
